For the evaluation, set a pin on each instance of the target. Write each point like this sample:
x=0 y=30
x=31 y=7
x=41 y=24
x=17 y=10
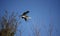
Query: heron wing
x=25 y=19
x=25 y=13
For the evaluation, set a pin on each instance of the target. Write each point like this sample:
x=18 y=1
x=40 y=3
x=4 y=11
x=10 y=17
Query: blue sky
x=42 y=12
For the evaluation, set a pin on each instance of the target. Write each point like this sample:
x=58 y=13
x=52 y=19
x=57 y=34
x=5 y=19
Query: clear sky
x=42 y=12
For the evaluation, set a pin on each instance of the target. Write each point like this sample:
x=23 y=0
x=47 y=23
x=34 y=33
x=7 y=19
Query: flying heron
x=24 y=16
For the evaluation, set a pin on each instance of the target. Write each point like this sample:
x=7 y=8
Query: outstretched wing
x=25 y=13
x=25 y=19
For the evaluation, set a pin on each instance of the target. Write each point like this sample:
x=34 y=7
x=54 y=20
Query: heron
x=24 y=16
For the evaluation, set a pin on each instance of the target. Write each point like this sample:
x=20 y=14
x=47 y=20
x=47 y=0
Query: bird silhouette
x=24 y=16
